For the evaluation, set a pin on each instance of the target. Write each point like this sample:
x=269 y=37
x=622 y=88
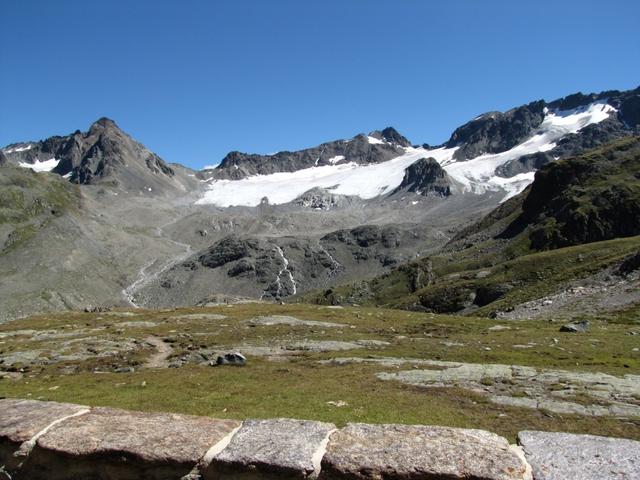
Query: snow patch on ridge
x=374 y=140
x=38 y=166
x=23 y=148
x=477 y=175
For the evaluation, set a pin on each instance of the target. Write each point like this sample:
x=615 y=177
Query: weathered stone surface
x=272 y=449
x=561 y=456
x=269 y=320
x=500 y=382
x=114 y=444
x=361 y=451
x=22 y=420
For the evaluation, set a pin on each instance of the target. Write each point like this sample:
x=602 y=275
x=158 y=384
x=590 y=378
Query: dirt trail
x=158 y=359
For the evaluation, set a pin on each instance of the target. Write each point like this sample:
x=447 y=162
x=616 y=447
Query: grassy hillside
x=28 y=200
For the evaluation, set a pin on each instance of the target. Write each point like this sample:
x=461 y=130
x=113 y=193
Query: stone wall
x=55 y=441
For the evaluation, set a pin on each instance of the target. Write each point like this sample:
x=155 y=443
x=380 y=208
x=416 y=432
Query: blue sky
x=193 y=80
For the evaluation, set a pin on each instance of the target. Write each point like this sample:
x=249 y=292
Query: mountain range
x=96 y=219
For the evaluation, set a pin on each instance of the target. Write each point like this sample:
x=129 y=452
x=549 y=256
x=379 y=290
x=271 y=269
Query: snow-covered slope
x=476 y=175
x=38 y=166
x=364 y=181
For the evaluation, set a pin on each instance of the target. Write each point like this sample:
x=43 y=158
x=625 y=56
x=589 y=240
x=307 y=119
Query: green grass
x=300 y=387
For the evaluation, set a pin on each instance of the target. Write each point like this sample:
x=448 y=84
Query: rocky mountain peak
x=104 y=154
x=496 y=132
x=103 y=124
x=391 y=135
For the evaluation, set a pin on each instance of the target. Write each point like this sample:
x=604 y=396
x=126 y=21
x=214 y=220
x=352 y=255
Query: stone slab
x=361 y=451
x=271 y=449
x=110 y=444
x=561 y=456
x=22 y=420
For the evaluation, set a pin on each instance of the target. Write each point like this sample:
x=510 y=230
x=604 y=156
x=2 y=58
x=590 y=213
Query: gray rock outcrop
x=562 y=456
x=426 y=177
x=576 y=327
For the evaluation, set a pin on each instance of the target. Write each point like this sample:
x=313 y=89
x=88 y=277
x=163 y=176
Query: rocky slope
x=272 y=268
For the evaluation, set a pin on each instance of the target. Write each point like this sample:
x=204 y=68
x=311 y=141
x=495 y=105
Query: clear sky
x=195 y=79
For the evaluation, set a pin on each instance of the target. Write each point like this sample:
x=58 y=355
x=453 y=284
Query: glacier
x=476 y=175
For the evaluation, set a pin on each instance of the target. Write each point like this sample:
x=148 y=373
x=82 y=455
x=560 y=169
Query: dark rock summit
x=496 y=132
x=426 y=177
x=391 y=135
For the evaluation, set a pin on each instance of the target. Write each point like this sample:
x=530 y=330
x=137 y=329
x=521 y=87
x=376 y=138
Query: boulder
x=575 y=327
x=361 y=451
x=560 y=456
x=270 y=450
x=234 y=358
x=116 y=444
